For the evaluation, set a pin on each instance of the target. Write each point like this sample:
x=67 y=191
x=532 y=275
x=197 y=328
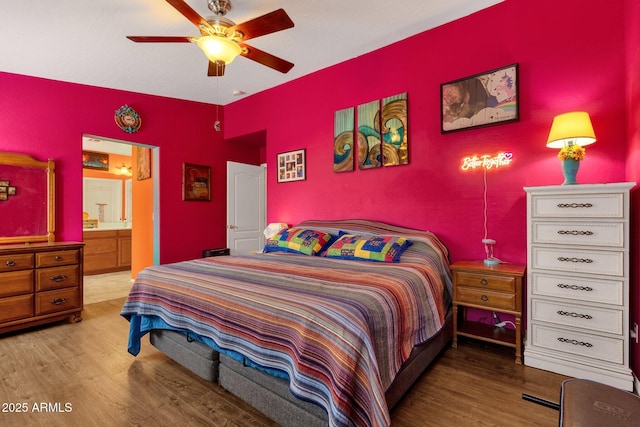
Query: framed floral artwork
x=483 y=99
x=292 y=166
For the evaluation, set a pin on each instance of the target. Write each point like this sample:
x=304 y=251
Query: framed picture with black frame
x=484 y=99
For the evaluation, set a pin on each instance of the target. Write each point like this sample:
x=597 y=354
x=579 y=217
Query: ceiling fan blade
x=161 y=39
x=216 y=69
x=265 y=58
x=189 y=13
x=266 y=24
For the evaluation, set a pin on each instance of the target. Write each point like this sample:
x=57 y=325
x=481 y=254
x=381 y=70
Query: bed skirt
x=270 y=395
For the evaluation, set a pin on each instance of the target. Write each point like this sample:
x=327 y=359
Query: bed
x=326 y=332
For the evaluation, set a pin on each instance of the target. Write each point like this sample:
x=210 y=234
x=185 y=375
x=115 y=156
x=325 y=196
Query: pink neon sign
x=486 y=161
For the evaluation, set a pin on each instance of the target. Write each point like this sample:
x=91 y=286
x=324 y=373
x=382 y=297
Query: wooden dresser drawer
x=582 y=344
x=580 y=316
x=53 y=258
x=58 y=300
x=16 y=262
x=57 y=277
x=575 y=260
x=485 y=281
x=578 y=206
x=610 y=234
x=488 y=299
x=587 y=289
x=16 y=283
x=14 y=308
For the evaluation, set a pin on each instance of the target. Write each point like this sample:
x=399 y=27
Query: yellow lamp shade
x=571 y=128
x=219 y=48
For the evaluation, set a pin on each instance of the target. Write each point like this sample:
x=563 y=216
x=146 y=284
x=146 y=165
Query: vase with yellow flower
x=571 y=132
x=571 y=155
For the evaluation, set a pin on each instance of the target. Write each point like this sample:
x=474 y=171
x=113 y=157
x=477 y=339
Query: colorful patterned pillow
x=369 y=248
x=300 y=241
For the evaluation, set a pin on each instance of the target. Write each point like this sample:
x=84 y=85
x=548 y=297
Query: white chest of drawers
x=578 y=281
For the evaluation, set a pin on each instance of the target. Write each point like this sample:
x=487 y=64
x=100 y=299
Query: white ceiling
x=83 y=41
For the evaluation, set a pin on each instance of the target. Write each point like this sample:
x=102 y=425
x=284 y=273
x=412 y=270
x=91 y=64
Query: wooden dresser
x=40 y=283
x=578 y=281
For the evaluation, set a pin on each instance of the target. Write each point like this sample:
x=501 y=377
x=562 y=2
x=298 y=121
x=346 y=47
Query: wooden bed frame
x=270 y=395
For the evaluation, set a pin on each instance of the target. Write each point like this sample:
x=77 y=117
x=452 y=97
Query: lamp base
x=491 y=262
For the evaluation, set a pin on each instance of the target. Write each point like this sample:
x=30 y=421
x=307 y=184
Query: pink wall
x=47 y=119
x=571 y=57
x=632 y=39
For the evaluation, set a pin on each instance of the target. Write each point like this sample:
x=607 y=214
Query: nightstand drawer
x=16 y=262
x=488 y=299
x=579 y=233
x=486 y=281
x=58 y=300
x=575 y=260
x=593 y=318
x=578 y=288
x=578 y=206
x=582 y=344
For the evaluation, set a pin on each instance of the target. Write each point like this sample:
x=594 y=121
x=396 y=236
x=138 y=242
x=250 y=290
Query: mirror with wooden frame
x=27 y=199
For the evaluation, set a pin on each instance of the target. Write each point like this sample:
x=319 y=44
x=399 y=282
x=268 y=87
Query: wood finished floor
x=86 y=366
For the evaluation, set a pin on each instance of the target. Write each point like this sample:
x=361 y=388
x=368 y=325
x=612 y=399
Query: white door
x=246 y=212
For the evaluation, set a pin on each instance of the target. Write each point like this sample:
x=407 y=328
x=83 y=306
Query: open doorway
x=120 y=220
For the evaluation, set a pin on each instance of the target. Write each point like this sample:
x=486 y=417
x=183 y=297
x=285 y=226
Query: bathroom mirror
x=27 y=199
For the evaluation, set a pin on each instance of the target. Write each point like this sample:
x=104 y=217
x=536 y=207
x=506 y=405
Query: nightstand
x=493 y=288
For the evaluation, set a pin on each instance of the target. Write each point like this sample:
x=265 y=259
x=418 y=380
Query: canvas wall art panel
x=395 y=140
x=343 y=125
x=369 y=145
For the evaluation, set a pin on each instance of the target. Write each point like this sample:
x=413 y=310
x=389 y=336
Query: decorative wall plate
x=127 y=119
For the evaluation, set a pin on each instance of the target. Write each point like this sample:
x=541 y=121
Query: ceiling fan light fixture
x=218 y=48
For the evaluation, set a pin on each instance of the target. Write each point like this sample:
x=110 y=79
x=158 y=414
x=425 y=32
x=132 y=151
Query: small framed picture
x=4 y=183
x=483 y=99
x=94 y=160
x=292 y=166
x=196 y=182
x=11 y=191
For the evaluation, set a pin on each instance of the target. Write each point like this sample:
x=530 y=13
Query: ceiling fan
x=222 y=40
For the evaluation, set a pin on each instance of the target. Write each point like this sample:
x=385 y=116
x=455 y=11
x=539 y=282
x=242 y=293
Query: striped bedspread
x=339 y=329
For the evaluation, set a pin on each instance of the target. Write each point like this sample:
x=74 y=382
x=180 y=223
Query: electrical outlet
x=634 y=332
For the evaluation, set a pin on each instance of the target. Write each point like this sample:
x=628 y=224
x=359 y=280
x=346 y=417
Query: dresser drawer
x=593 y=318
x=59 y=300
x=578 y=288
x=16 y=283
x=610 y=234
x=14 y=308
x=50 y=259
x=578 y=206
x=488 y=299
x=584 y=261
x=16 y=262
x=486 y=281
x=582 y=344
x=57 y=277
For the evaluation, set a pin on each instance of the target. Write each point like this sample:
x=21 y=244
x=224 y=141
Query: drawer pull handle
x=11 y=263
x=58 y=301
x=575 y=342
x=484 y=298
x=483 y=282
x=575 y=287
x=575 y=205
x=58 y=278
x=565 y=259
x=576 y=232
x=573 y=314
x=58 y=258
